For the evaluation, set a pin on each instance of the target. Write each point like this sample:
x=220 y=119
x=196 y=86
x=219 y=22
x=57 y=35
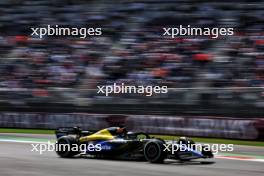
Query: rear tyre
x=67 y=147
x=153 y=151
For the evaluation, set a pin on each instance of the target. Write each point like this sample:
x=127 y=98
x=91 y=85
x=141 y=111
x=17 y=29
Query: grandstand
x=64 y=71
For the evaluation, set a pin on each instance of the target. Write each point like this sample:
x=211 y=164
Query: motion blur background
x=217 y=77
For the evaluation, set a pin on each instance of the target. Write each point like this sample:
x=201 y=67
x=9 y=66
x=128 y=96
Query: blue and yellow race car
x=117 y=143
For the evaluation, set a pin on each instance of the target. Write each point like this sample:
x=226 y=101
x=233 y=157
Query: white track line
x=22 y=141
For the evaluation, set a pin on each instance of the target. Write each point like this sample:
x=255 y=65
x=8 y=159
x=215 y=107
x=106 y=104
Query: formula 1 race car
x=117 y=143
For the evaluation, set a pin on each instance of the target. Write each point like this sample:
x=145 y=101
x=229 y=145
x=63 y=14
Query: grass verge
x=28 y=131
x=216 y=140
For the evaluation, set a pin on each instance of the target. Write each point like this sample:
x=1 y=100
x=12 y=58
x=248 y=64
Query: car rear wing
x=64 y=131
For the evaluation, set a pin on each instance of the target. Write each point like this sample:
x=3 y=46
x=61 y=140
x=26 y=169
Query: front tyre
x=153 y=151
x=207 y=153
x=67 y=147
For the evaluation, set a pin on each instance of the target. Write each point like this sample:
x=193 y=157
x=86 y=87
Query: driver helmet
x=121 y=130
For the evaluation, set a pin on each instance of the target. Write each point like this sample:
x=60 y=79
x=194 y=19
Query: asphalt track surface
x=17 y=159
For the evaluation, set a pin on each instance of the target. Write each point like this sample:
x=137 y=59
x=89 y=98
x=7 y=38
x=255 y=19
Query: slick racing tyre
x=67 y=146
x=153 y=151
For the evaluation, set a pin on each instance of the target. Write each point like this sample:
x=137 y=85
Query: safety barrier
x=222 y=127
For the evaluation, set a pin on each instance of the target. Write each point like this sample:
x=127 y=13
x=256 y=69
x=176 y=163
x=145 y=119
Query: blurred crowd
x=131 y=49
